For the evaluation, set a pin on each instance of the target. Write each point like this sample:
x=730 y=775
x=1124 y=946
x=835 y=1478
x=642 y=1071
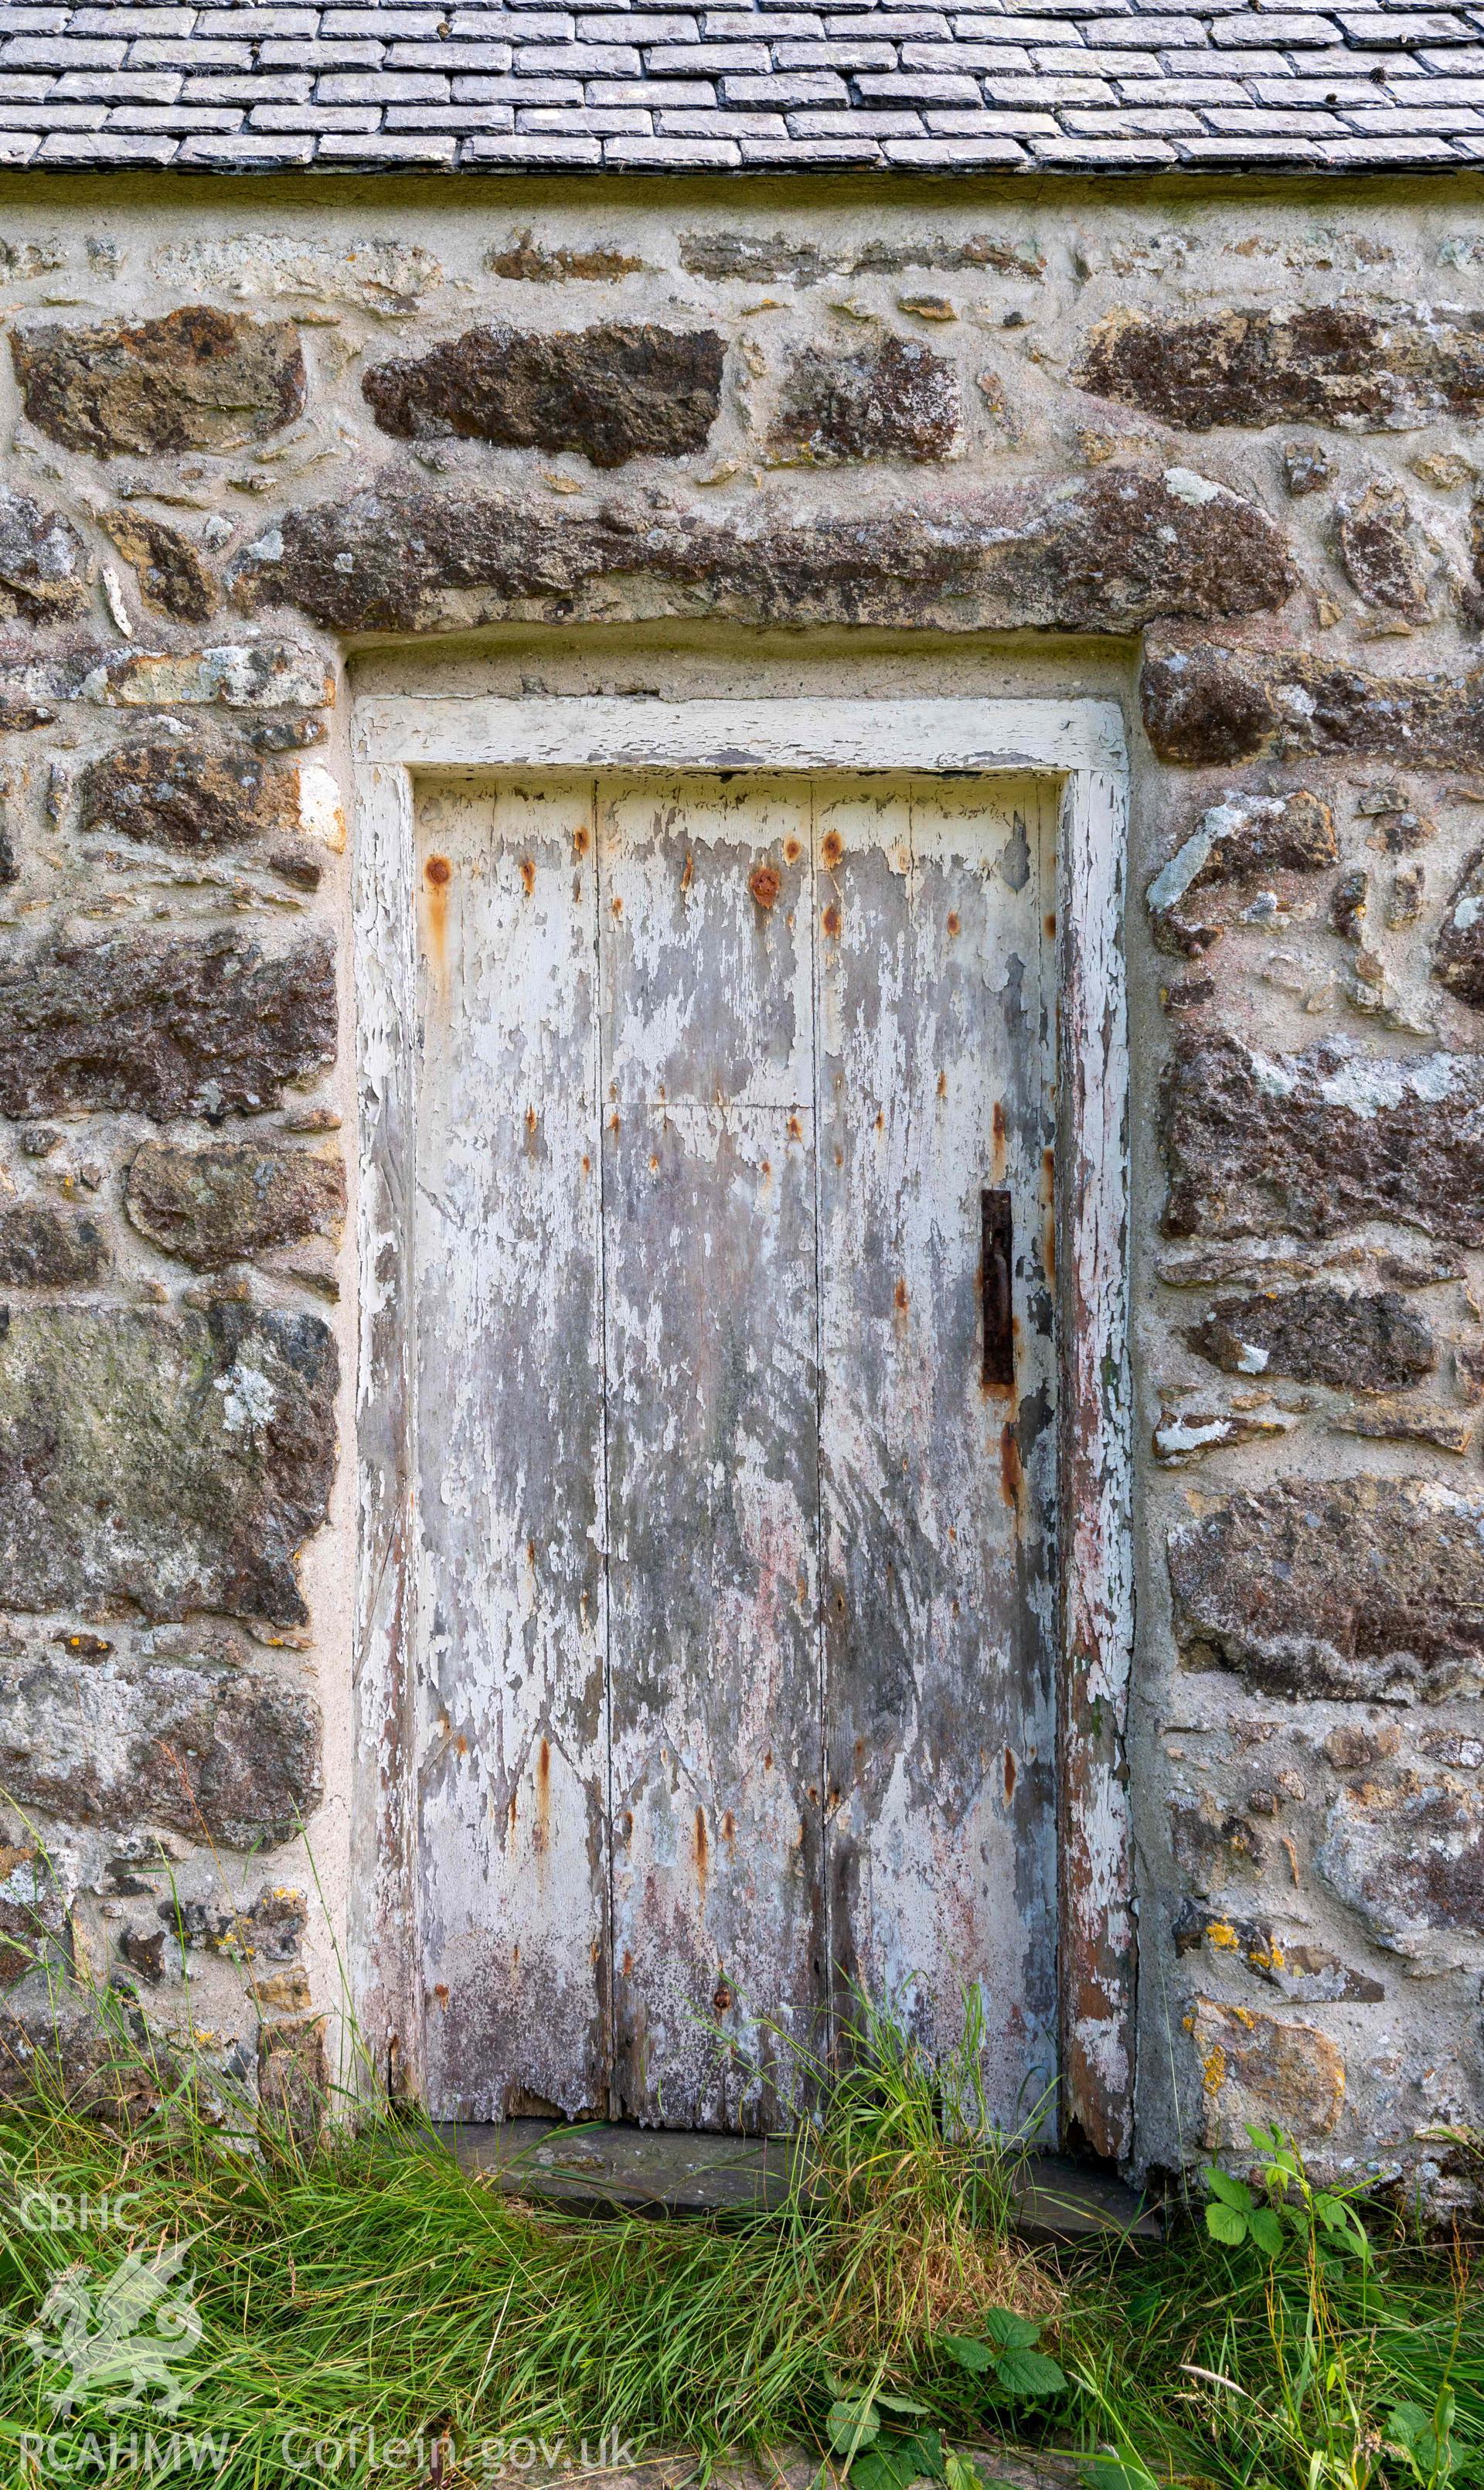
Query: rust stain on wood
x=436 y=876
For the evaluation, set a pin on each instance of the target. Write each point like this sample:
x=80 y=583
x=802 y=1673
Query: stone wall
x=1216 y=452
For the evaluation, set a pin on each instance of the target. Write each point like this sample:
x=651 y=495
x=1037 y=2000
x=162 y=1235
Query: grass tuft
x=911 y=2185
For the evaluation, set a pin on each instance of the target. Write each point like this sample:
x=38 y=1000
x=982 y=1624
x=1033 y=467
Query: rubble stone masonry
x=1215 y=451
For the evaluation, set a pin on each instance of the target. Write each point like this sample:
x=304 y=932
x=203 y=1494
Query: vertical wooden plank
x=512 y=1766
x=382 y=1961
x=935 y=1016
x=1095 y=1833
x=711 y=1316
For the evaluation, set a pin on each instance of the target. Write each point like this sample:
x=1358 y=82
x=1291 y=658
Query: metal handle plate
x=994 y=1280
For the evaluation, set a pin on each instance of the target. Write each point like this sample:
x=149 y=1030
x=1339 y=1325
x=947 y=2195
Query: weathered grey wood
x=512 y=1759
x=1097 y=1459
x=1083 y=740
x=937 y=1030
x=709 y=1307
x=384 y=1964
x=438 y=729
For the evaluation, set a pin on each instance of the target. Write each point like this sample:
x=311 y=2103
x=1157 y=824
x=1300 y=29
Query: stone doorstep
x=640 y=2169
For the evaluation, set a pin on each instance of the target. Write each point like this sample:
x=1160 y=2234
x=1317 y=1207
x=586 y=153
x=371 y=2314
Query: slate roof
x=967 y=85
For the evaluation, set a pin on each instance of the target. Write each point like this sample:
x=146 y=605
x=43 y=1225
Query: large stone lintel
x=1109 y=552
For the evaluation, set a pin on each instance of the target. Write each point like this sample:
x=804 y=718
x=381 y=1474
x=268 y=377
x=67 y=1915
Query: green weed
x=1310 y=2347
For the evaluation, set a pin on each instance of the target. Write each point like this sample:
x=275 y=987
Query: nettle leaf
x=896 y=2403
x=1029 y=2373
x=1226 y=2225
x=1408 y=2423
x=1266 y=2232
x=895 y=2463
x=1228 y=2190
x=1010 y=2332
x=960 y=2474
x=852 y=2423
x=1274 y=2144
x=976 y=2357
x=1111 y=2473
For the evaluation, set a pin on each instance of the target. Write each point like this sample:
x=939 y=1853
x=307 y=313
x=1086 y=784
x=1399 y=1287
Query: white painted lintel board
x=447 y=732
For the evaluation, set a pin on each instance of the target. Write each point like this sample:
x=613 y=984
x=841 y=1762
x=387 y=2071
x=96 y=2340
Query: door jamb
x=1079 y=741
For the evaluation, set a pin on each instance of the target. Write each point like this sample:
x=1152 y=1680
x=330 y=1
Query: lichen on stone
x=612 y=391
x=1344 y=1588
x=197 y=379
x=214 y=1206
x=1379 y=370
x=171 y=1025
x=163 y=1460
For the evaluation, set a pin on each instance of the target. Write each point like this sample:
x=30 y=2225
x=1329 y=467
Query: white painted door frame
x=1080 y=744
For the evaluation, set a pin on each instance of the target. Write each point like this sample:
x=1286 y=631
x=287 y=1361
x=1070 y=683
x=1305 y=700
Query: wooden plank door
x=736 y=1680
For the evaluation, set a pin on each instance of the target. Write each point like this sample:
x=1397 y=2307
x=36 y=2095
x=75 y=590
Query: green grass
x=363 y=2284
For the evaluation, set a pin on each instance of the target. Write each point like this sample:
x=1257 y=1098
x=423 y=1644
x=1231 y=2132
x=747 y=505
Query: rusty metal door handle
x=994 y=1285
